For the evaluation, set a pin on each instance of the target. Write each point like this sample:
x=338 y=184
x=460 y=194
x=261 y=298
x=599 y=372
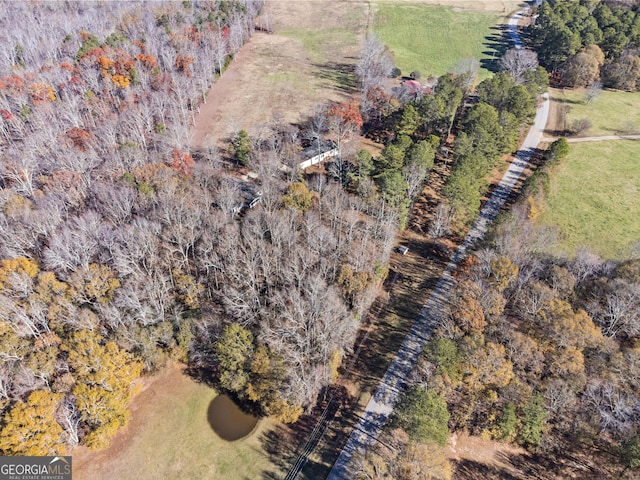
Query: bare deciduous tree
x=517 y=61
x=468 y=70
x=374 y=64
x=441 y=221
x=593 y=91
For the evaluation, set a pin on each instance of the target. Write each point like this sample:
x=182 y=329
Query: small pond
x=228 y=421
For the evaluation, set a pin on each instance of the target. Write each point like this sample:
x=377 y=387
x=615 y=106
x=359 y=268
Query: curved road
x=394 y=383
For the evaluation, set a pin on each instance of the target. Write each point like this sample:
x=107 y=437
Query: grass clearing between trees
x=281 y=76
x=595 y=197
x=321 y=45
x=169 y=437
x=433 y=39
x=611 y=113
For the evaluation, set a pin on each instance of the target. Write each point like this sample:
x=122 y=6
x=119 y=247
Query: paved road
x=394 y=383
x=512 y=27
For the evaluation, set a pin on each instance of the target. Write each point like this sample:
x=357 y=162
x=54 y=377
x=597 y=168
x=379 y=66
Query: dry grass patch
x=308 y=59
x=169 y=437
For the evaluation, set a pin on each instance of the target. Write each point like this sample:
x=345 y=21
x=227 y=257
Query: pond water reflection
x=228 y=421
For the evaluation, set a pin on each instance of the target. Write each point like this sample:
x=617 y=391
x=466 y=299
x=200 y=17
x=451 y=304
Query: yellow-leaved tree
x=567 y=328
x=298 y=197
x=95 y=283
x=488 y=367
x=503 y=273
x=16 y=267
x=31 y=428
x=105 y=376
x=254 y=373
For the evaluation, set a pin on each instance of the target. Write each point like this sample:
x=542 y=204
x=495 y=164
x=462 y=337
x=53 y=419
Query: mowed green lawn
x=169 y=437
x=433 y=39
x=595 y=197
x=611 y=113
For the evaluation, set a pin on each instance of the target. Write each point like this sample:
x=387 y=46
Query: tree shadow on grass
x=280 y=444
x=383 y=340
x=204 y=375
x=569 y=101
x=339 y=76
x=472 y=470
x=311 y=444
x=558 y=132
x=496 y=44
x=587 y=464
x=410 y=284
x=506 y=466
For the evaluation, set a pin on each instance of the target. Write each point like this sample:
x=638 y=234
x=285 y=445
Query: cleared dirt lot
x=308 y=59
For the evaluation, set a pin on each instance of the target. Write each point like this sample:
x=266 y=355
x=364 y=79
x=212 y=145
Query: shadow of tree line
x=339 y=76
x=514 y=466
x=496 y=44
x=289 y=445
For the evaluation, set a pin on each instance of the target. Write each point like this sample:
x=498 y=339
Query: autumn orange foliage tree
x=347 y=113
x=42 y=92
x=182 y=162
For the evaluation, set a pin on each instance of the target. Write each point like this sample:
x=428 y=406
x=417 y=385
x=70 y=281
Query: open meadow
x=432 y=39
x=595 y=196
x=610 y=112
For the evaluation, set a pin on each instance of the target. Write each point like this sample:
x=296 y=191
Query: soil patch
x=476 y=459
x=463 y=450
x=556 y=122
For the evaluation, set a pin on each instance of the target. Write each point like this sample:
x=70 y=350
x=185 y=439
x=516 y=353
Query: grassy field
x=611 y=113
x=169 y=437
x=321 y=44
x=499 y=6
x=595 y=197
x=433 y=39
